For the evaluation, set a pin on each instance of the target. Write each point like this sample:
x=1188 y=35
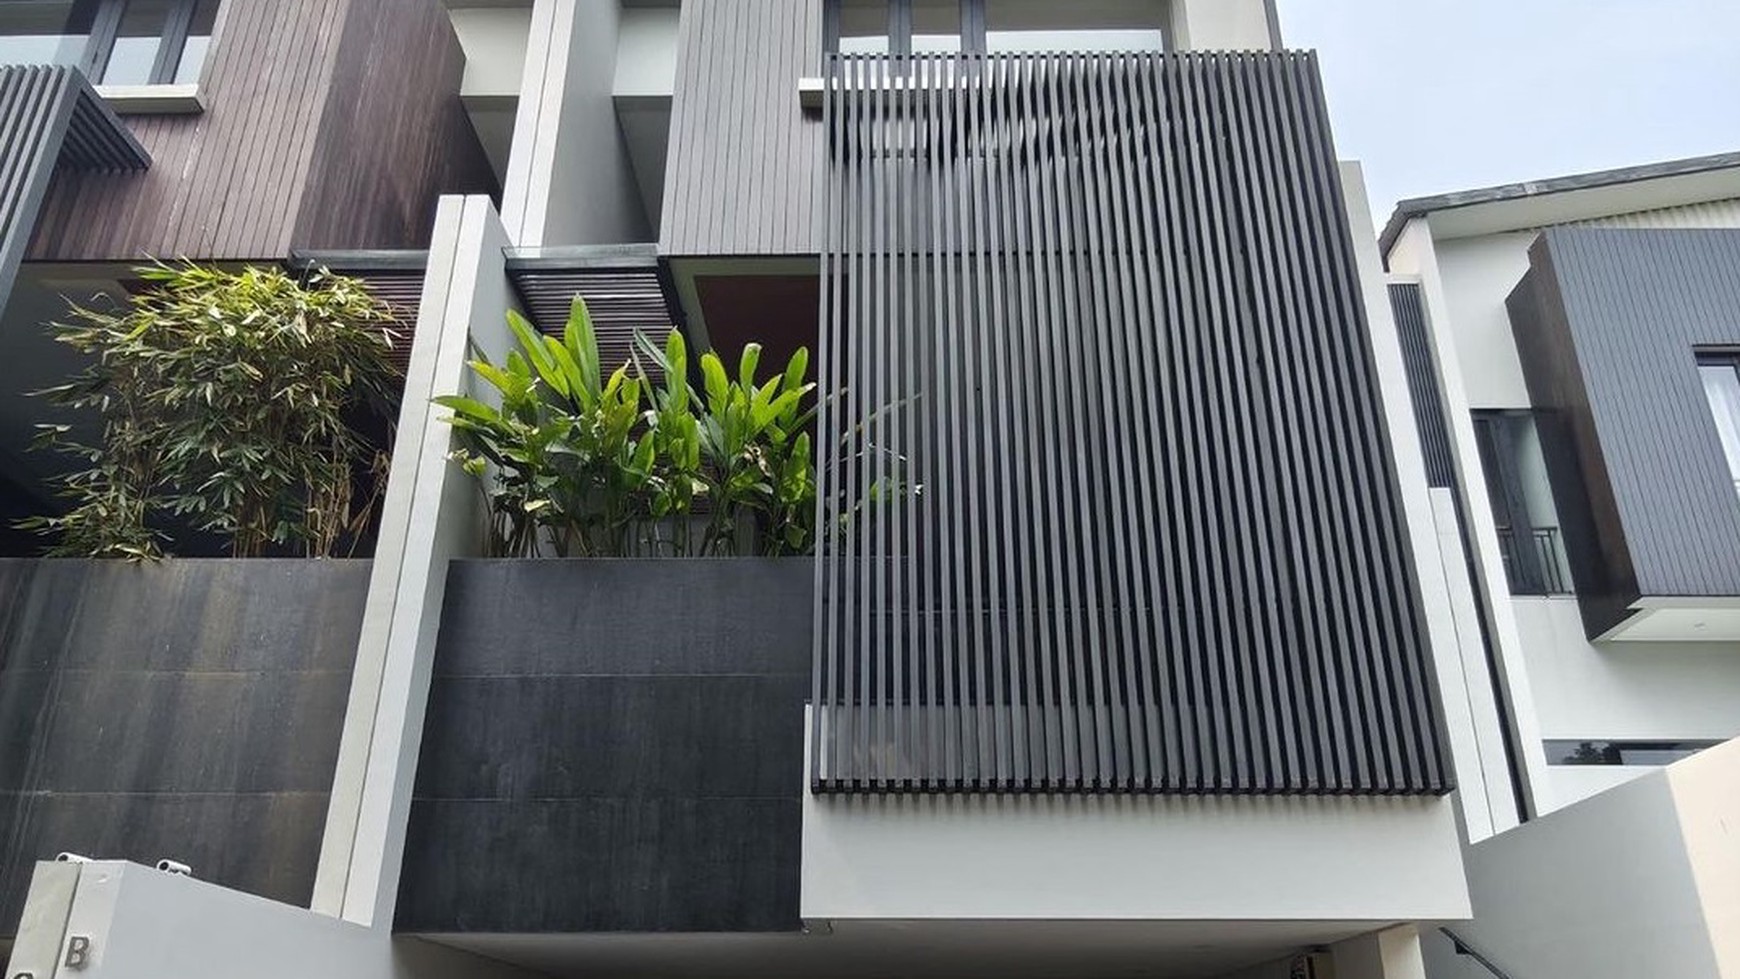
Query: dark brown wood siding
x=394 y=134
x=243 y=180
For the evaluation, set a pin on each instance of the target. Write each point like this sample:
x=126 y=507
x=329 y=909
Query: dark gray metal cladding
x=1415 y=334
x=1608 y=324
x=50 y=118
x=1108 y=503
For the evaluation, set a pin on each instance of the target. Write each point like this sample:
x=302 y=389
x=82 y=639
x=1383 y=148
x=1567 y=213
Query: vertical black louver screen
x=1412 y=330
x=1108 y=504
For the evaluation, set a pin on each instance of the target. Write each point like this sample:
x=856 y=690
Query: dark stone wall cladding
x=190 y=710
x=626 y=735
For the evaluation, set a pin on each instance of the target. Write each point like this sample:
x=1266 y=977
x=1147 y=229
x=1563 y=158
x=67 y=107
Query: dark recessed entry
x=778 y=311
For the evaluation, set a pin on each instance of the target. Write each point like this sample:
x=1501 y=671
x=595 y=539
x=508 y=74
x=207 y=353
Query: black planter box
x=613 y=746
x=189 y=709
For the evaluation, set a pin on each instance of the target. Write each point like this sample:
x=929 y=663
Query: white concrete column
x=569 y=181
x=1393 y=953
x=431 y=514
x=1415 y=254
x=1225 y=25
x=1437 y=556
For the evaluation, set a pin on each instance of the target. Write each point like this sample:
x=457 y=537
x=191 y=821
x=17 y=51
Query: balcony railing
x=1536 y=564
x=1108 y=503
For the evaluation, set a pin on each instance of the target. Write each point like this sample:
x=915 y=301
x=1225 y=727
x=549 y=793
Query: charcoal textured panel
x=1119 y=508
x=189 y=709
x=1608 y=325
x=632 y=729
x=743 y=177
x=1411 y=328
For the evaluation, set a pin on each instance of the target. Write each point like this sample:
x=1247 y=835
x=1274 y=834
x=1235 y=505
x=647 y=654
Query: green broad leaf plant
x=227 y=402
x=577 y=463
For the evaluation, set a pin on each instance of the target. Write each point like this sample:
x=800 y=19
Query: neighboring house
x=1572 y=348
x=1137 y=672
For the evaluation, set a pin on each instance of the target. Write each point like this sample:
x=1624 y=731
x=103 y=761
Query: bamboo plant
x=226 y=401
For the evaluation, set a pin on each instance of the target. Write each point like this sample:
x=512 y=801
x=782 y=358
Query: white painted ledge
x=152 y=100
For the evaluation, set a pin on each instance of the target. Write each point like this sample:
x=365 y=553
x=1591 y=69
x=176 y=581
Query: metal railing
x=1463 y=948
x=1534 y=567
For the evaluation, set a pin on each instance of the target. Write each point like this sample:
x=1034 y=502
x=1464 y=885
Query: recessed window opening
x=1720 y=373
x=993 y=26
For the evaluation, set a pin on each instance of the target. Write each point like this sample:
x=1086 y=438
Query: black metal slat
x=1097 y=318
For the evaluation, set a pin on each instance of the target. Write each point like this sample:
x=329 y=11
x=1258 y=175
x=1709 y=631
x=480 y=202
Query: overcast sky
x=1441 y=95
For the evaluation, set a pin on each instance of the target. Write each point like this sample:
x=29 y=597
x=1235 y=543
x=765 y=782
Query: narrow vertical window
x=1721 y=377
x=138 y=40
x=936 y=27
x=49 y=33
x=198 y=43
x=861 y=27
x=1529 y=532
x=1102 y=25
x=151 y=42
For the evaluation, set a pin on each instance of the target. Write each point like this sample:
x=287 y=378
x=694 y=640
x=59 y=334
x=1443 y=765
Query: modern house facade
x=1126 y=646
x=1570 y=345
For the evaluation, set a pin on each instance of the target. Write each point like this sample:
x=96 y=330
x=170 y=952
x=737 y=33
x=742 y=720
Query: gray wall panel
x=631 y=728
x=189 y=709
x=1609 y=323
x=742 y=176
x=1118 y=505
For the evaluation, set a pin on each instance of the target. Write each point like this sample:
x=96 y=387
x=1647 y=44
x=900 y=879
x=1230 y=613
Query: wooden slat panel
x=1115 y=502
x=310 y=138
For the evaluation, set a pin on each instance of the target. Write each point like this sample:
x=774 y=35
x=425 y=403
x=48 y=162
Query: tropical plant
x=226 y=400
x=562 y=443
x=623 y=466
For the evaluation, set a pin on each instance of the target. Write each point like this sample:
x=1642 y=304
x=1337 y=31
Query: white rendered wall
x=1627 y=691
x=1477 y=275
x=1641 y=880
x=1669 y=691
x=1471 y=721
x=1707 y=790
x=1415 y=255
x=431 y=515
x=570 y=181
x=646 y=52
x=495 y=41
x=1130 y=857
x=143 y=924
x=1121 y=857
x=1223 y=25
x=1393 y=953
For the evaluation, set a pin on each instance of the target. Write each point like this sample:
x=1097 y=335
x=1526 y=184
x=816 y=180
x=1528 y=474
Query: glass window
x=1083 y=25
x=863 y=27
x=198 y=43
x=41 y=32
x=1622 y=752
x=137 y=42
x=1515 y=467
x=936 y=26
x=1721 y=379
